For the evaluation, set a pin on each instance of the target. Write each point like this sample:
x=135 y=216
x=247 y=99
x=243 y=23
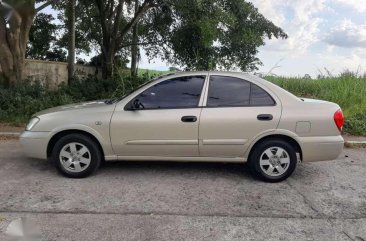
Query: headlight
x=32 y=123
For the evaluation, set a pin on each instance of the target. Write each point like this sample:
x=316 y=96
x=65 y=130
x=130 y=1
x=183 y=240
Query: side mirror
x=134 y=105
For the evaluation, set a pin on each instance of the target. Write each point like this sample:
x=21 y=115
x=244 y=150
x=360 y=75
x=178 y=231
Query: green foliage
x=151 y=72
x=211 y=34
x=42 y=42
x=195 y=34
x=20 y=102
x=348 y=90
x=17 y=104
x=356 y=123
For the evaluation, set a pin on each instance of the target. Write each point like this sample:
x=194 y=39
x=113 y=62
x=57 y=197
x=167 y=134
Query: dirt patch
x=8 y=138
x=9 y=127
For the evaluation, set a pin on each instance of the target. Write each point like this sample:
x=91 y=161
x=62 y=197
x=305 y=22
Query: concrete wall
x=51 y=74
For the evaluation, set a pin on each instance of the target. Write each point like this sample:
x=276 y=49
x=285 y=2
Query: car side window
x=180 y=92
x=259 y=97
x=228 y=91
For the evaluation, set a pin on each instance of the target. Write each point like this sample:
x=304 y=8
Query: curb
x=355 y=144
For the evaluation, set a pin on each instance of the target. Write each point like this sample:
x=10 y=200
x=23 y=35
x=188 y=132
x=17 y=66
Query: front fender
x=101 y=135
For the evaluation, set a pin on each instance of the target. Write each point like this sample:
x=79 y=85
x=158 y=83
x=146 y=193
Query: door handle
x=189 y=118
x=265 y=117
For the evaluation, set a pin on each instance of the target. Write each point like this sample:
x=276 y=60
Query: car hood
x=76 y=106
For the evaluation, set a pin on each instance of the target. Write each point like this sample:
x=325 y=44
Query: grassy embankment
x=349 y=91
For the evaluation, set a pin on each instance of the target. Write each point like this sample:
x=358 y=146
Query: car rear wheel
x=76 y=155
x=273 y=160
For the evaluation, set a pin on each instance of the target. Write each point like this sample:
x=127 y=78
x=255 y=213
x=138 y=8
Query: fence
x=51 y=74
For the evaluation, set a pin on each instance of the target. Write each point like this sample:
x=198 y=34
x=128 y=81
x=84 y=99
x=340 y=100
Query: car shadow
x=118 y=168
x=200 y=168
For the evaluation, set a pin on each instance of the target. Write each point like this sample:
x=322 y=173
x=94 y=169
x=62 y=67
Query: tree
x=96 y=25
x=134 y=47
x=56 y=54
x=71 y=47
x=16 y=18
x=115 y=25
x=194 y=34
x=85 y=27
x=221 y=34
x=41 y=36
x=43 y=43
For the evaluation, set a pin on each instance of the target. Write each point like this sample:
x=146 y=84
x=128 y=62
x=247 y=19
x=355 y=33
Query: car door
x=235 y=111
x=162 y=120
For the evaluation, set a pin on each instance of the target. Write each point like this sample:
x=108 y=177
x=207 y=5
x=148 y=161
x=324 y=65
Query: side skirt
x=177 y=159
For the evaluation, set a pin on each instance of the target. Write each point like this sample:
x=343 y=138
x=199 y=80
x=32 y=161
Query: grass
x=347 y=90
x=150 y=72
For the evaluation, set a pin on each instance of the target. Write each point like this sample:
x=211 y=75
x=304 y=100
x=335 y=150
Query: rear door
x=236 y=111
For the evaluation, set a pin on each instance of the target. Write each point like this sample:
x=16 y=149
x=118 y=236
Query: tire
x=273 y=160
x=76 y=155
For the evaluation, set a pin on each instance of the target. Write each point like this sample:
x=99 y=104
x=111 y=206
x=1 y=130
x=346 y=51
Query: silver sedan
x=191 y=116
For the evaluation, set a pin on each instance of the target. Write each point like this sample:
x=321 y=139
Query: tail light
x=339 y=119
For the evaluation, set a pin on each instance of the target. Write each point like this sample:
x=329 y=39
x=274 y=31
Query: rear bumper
x=35 y=143
x=321 y=148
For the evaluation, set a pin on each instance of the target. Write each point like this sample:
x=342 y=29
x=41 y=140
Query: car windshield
x=115 y=100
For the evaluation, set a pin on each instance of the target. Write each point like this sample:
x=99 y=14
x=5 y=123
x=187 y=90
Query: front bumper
x=321 y=148
x=35 y=143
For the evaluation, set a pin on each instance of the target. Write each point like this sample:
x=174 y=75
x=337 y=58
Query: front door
x=160 y=121
x=236 y=111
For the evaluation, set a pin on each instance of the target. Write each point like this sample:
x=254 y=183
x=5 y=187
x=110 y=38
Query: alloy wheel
x=75 y=157
x=274 y=161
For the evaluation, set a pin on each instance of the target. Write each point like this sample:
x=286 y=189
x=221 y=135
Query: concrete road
x=185 y=201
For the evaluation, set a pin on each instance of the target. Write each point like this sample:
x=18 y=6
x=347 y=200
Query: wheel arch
x=63 y=133
x=292 y=141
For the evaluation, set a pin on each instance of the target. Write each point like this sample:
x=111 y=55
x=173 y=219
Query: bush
x=20 y=102
x=356 y=124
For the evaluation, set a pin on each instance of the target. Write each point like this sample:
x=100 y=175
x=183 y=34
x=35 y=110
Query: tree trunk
x=71 y=47
x=134 y=47
x=134 y=53
x=13 y=43
x=113 y=33
x=107 y=64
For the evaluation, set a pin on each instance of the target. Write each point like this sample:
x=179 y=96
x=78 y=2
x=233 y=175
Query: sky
x=324 y=36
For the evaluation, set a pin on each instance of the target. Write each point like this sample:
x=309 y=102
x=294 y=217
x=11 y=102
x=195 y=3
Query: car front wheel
x=273 y=160
x=76 y=155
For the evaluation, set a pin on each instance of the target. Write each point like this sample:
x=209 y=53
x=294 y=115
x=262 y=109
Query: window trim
x=203 y=91
x=233 y=106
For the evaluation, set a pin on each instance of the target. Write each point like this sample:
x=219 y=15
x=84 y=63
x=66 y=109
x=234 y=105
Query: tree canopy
x=191 y=34
x=225 y=34
x=43 y=43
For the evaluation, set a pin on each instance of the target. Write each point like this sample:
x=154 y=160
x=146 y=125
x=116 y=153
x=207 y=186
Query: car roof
x=244 y=75
x=188 y=73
